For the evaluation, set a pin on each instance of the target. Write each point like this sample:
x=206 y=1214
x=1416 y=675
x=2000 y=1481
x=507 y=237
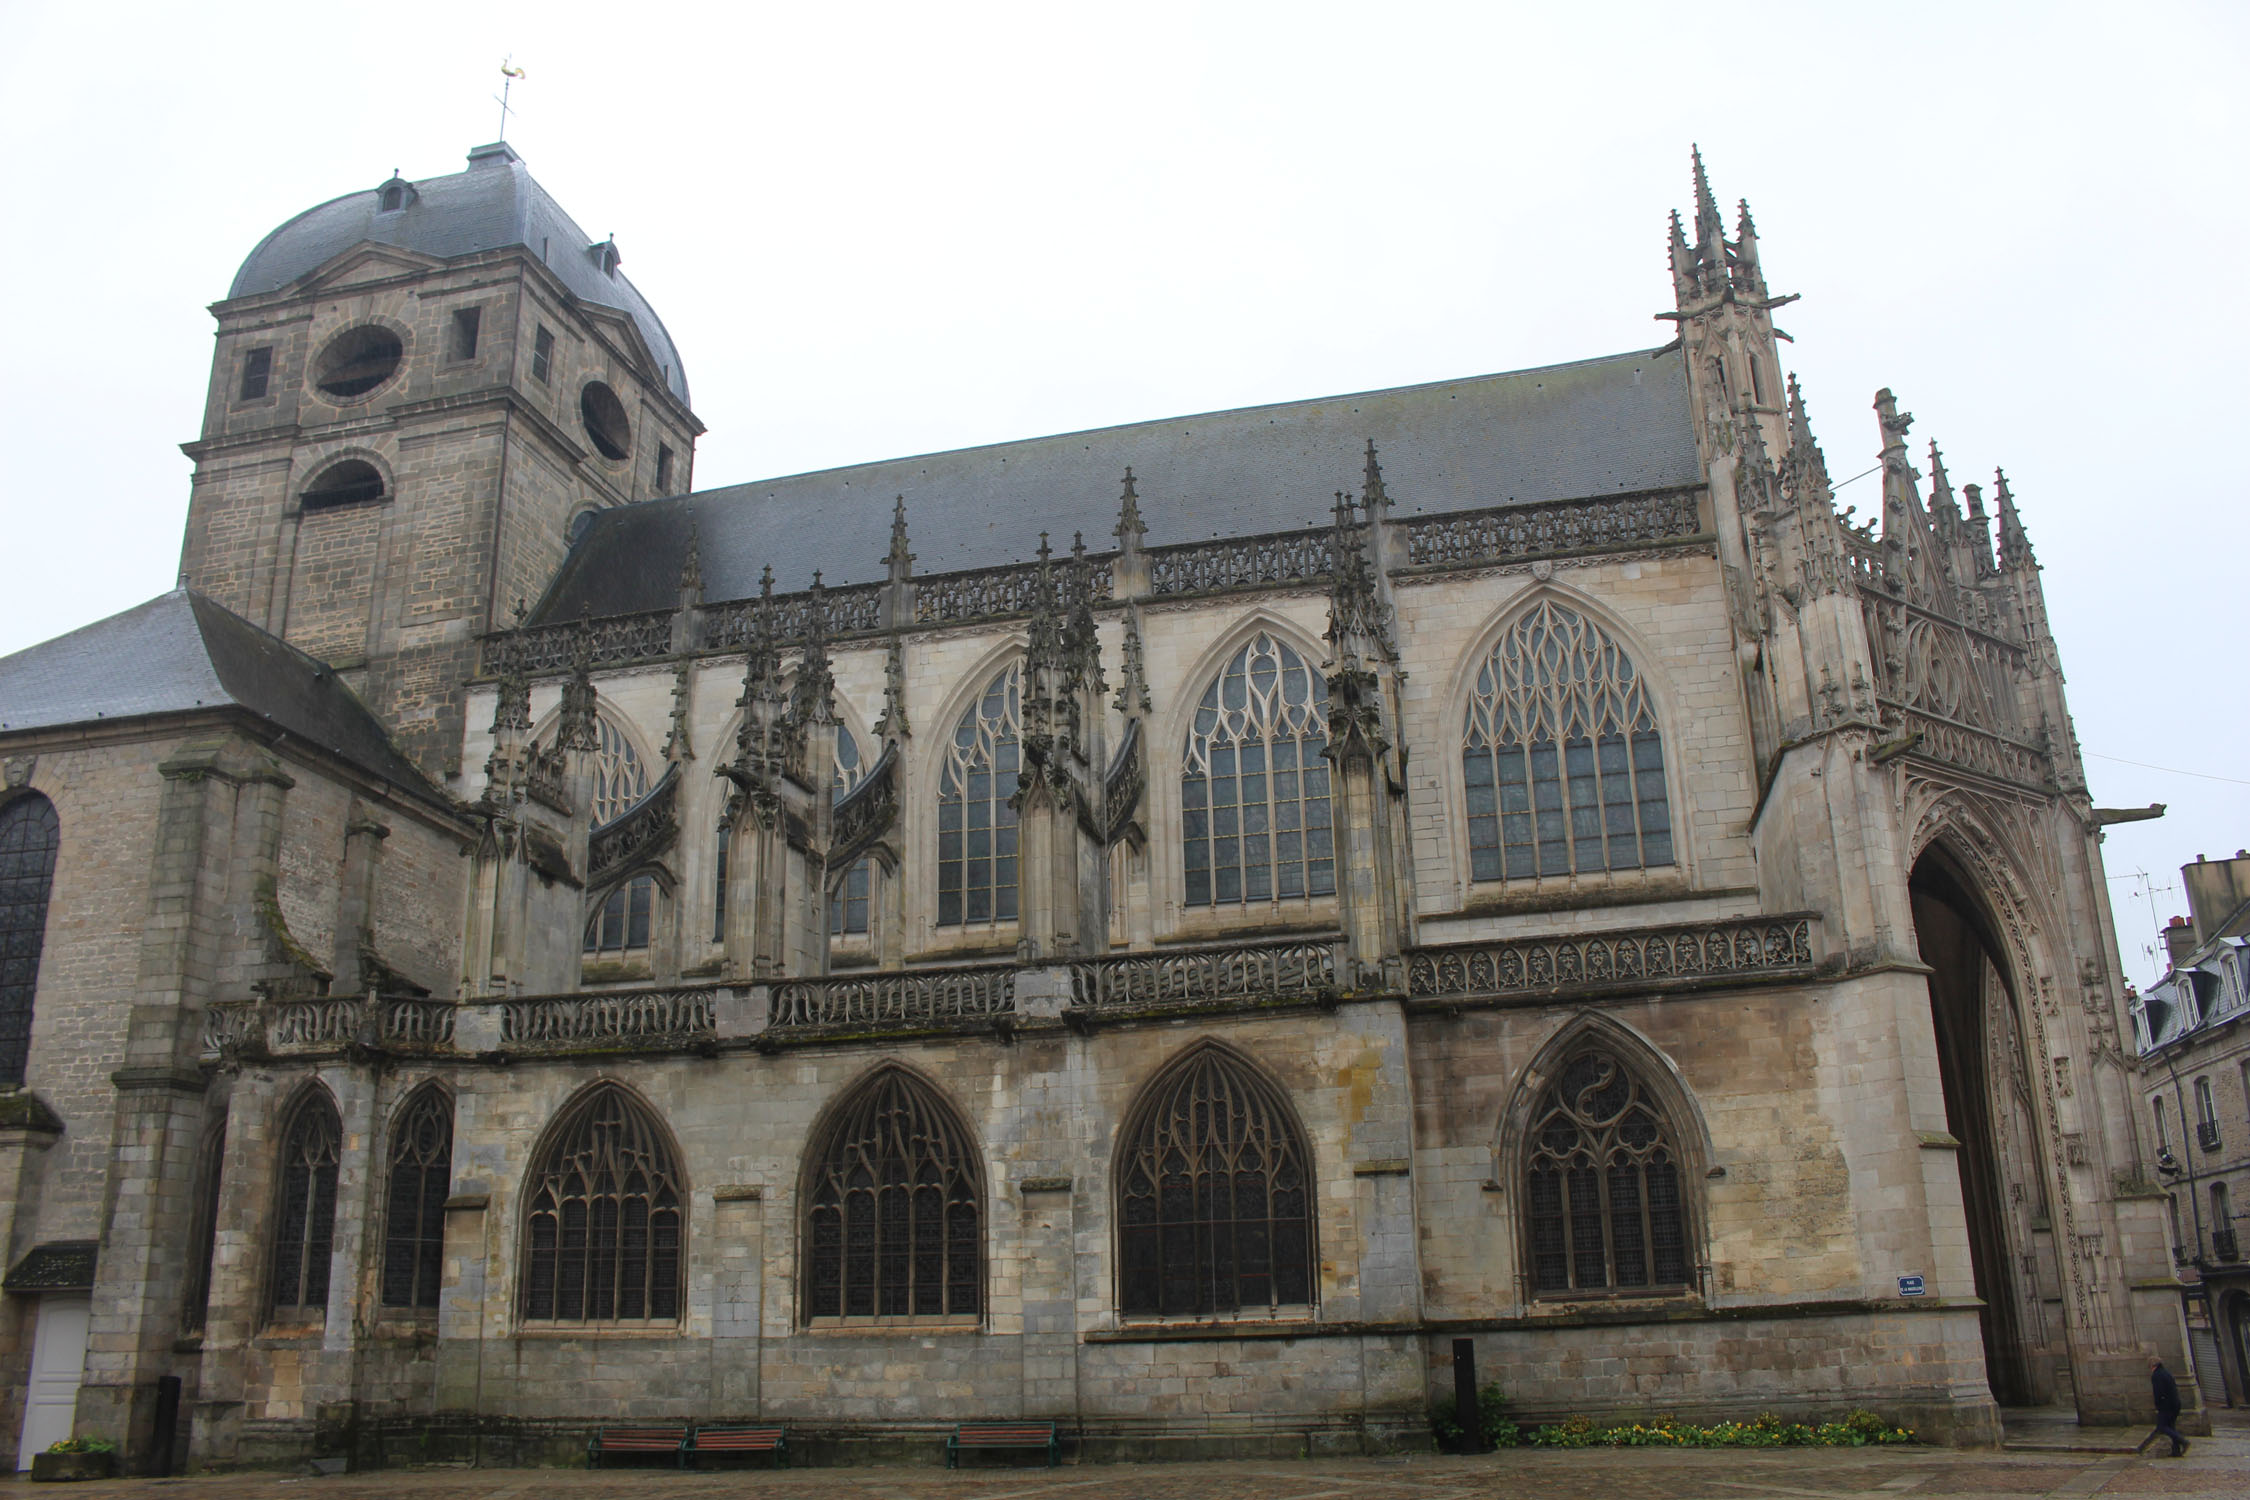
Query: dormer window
x=605 y=255
x=394 y=195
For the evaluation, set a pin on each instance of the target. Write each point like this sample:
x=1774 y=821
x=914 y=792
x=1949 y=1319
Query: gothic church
x=1161 y=929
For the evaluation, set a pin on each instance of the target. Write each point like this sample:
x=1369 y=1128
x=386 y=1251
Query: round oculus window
x=604 y=416
x=356 y=361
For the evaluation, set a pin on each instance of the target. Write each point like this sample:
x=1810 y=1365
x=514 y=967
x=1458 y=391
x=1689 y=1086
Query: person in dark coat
x=2166 y=1390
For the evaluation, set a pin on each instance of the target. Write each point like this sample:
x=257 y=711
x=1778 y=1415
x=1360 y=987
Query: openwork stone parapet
x=1545 y=967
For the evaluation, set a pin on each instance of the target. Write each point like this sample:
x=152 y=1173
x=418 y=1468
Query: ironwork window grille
x=847 y=893
x=622 y=923
x=1254 y=811
x=30 y=834
x=305 y=1228
x=195 y=1304
x=976 y=815
x=1604 y=1204
x=414 y=1221
x=604 y=1221
x=1216 y=1196
x=1561 y=756
x=893 y=1225
x=619 y=780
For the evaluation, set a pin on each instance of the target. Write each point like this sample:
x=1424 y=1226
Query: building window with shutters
x=421 y=1178
x=605 y=1217
x=893 y=1210
x=1605 y=1207
x=305 y=1223
x=1214 y=1195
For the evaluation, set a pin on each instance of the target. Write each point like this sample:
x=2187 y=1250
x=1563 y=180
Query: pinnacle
x=1371 y=490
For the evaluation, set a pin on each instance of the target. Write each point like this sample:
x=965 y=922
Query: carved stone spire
x=1710 y=234
x=1901 y=545
x=1129 y=528
x=1132 y=674
x=1081 y=643
x=761 y=748
x=1804 y=469
x=2015 y=545
x=899 y=559
x=1359 y=635
x=678 y=746
x=893 y=726
x=1683 y=264
x=1749 y=276
x=691 y=565
x=511 y=729
x=1372 y=495
x=813 y=699
x=1979 y=529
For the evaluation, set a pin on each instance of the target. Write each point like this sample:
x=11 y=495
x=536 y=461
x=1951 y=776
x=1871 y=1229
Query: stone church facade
x=1163 y=929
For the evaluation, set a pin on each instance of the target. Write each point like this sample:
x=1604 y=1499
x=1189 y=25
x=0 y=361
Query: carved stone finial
x=691 y=563
x=1129 y=528
x=2015 y=543
x=893 y=724
x=899 y=560
x=1372 y=494
x=575 y=729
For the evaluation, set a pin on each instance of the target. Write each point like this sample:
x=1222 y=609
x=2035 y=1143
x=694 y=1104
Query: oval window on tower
x=604 y=416
x=356 y=361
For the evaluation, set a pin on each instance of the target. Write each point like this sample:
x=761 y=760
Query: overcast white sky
x=879 y=229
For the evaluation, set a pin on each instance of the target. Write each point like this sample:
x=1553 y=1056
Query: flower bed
x=1855 y=1429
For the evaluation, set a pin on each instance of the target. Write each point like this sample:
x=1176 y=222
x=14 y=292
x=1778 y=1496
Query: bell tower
x=417 y=391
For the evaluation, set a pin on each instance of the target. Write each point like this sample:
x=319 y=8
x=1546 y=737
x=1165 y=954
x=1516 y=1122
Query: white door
x=58 y=1359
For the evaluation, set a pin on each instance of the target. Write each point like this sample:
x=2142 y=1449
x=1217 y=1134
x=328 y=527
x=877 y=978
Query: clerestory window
x=622 y=923
x=848 y=890
x=1605 y=1207
x=976 y=851
x=1561 y=756
x=893 y=1227
x=1254 y=809
x=604 y=1218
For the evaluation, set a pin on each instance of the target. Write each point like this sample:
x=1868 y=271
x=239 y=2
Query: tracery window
x=421 y=1179
x=30 y=834
x=847 y=892
x=1604 y=1196
x=305 y=1227
x=621 y=924
x=1215 y=1195
x=1254 y=811
x=619 y=780
x=976 y=821
x=1561 y=757
x=893 y=1225
x=203 y=1237
x=604 y=1218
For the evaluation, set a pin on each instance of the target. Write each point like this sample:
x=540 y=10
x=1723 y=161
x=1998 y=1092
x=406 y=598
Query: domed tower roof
x=493 y=204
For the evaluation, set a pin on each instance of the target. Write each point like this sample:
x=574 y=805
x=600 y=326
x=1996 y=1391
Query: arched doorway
x=1972 y=1003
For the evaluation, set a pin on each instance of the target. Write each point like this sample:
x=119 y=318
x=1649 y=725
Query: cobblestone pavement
x=2216 y=1467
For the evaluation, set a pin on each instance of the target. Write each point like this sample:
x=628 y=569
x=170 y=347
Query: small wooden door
x=58 y=1360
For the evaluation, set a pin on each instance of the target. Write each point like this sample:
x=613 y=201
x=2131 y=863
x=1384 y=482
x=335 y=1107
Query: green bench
x=641 y=1441
x=1003 y=1435
x=725 y=1440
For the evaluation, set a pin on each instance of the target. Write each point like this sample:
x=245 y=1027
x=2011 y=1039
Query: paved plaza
x=2218 y=1466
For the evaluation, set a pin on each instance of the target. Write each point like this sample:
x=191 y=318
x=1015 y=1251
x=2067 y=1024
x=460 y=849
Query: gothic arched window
x=1254 y=814
x=847 y=891
x=619 y=780
x=604 y=1217
x=892 y=1223
x=1215 y=1195
x=421 y=1179
x=976 y=819
x=1560 y=755
x=305 y=1227
x=621 y=923
x=30 y=834
x=1604 y=1199
x=203 y=1235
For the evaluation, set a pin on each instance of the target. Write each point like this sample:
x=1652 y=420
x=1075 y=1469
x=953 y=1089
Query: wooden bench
x=609 y=1440
x=774 y=1440
x=1003 y=1435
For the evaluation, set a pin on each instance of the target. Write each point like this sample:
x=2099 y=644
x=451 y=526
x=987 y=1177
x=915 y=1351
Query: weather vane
x=509 y=76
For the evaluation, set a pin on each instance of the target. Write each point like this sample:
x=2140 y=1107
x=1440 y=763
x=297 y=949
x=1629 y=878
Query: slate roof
x=493 y=204
x=1597 y=427
x=181 y=652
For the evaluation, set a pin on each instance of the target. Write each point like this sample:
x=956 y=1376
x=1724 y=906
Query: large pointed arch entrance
x=1981 y=1065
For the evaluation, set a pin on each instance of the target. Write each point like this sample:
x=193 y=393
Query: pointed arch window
x=203 y=1238
x=605 y=1218
x=847 y=891
x=421 y=1179
x=619 y=778
x=1605 y=1207
x=976 y=812
x=305 y=1227
x=1561 y=756
x=622 y=923
x=30 y=835
x=893 y=1226
x=1254 y=810
x=1215 y=1195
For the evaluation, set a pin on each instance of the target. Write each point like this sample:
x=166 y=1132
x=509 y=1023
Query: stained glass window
x=305 y=1228
x=1254 y=812
x=29 y=836
x=619 y=780
x=1561 y=758
x=1604 y=1196
x=1215 y=1195
x=621 y=924
x=210 y=1161
x=847 y=892
x=892 y=1225
x=604 y=1219
x=421 y=1179
x=976 y=824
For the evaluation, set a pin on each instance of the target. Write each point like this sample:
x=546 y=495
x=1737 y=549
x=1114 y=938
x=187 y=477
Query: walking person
x=2166 y=1390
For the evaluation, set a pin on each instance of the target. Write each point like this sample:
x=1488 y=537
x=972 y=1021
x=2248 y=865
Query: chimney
x=2216 y=890
x=2179 y=940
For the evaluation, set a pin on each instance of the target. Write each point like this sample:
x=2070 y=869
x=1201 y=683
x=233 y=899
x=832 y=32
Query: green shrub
x=82 y=1445
x=1854 y=1430
x=1492 y=1420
